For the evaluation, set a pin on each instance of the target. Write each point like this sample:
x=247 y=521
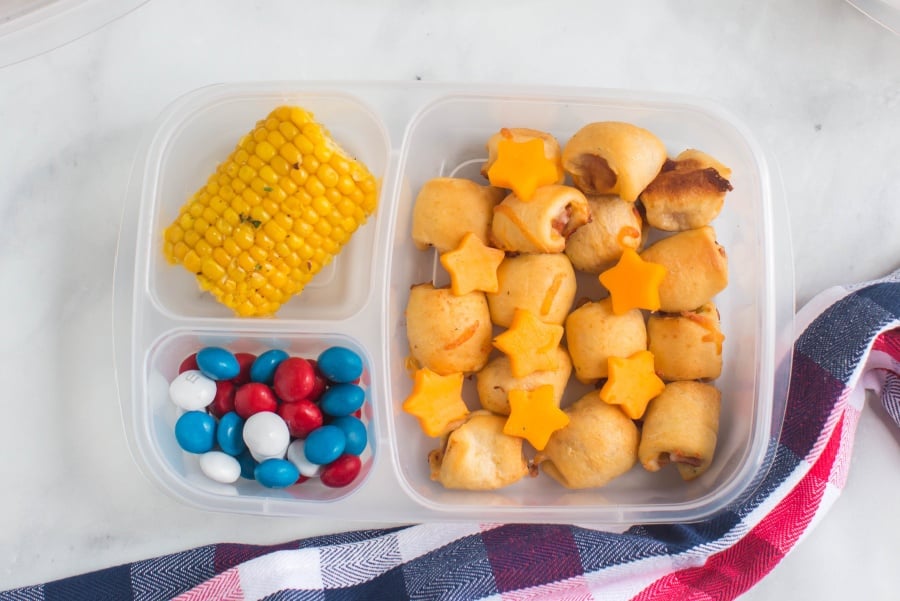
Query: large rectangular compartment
x=407 y=134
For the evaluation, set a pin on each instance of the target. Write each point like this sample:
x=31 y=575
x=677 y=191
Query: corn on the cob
x=272 y=215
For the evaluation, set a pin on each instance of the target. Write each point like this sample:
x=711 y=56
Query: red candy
x=245 y=360
x=294 y=379
x=254 y=397
x=320 y=385
x=341 y=471
x=301 y=417
x=188 y=364
x=223 y=402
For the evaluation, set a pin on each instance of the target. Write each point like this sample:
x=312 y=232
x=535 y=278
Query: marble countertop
x=817 y=82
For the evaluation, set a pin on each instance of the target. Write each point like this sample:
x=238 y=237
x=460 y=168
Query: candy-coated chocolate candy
x=276 y=473
x=223 y=402
x=189 y=363
x=342 y=399
x=294 y=379
x=230 y=434
x=217 y=363
x=245 y=360
x=254 y=397
x=263 y=368
x=192 y=391
x=301 y=417
x=341 y=472
x=248 y=465
x=325 y=444
x=297 y=456
x=340 y=364
x=320 y=384
x=195 y=431
x=354 y=432
x=266 y=435
x=220 y=467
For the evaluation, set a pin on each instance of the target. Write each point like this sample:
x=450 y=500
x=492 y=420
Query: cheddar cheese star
x=436 y=401
x=522 y=166
x=472 y=266
x=534 y=415
x=530 y=344
x=633 y=283
x=632 y=383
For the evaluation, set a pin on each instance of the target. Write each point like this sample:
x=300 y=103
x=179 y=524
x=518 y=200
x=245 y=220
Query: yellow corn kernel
x=272 y=214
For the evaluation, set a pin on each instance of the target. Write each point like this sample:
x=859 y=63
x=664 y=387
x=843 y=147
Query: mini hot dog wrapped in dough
x=611 y=157
x=681 y=426
x=523 y=134
x=448 y=333
x=495 y=380
x=541 y=224
x=479 y=456
x=696 y=268
x=594 y=334
x=687 y=345
x=447 y=208
x=688 y=193
x=615 y=225
x=544 y=284
x=599 y=443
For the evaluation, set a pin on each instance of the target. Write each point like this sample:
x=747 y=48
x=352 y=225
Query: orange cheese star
x=534 y=415
x=633 y=283
x=472 y=266
x=436 y=401
x=632 y=383
x=530 y=344
x=522 y=166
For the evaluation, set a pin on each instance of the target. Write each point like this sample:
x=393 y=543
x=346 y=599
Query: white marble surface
x=816 y=80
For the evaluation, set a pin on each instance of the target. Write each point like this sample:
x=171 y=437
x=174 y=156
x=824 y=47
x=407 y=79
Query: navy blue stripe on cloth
x=165 y=577
x=842 y=334
x=886 y=294
x=113 y=584
x=459 y=570
x=27 y=593
x=600 y=550
x=811 y=396
x=387 y=586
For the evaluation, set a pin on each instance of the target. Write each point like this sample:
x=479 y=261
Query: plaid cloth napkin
x=850 y=341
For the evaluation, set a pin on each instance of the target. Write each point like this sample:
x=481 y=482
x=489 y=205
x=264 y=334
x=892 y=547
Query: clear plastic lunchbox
x=407 y=133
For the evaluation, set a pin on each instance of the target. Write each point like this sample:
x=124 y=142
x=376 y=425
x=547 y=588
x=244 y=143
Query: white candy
x=192 y=391
x=266 y=435
x=220 y=467
x=297 y=456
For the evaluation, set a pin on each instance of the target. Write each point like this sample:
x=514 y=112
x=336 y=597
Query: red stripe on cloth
x=888 y=342
x=732 y=572
x=223 y=587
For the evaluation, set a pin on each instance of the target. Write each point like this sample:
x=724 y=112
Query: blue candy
x=325 y=444
x=276 y=473
x=248 y=465
x=263 y=368
x=217 y=363
x=342 y=399
x=195 y=431
x=355 y=433
x=230 y=434
x=340 y=364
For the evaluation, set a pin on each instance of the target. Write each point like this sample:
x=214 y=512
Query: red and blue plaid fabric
x=850 y=342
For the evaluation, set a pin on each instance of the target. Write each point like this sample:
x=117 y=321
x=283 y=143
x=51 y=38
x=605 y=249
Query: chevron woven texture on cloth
x=849 y=342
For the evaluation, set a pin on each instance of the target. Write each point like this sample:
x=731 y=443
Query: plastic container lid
x=31 y=27
x=883 y=12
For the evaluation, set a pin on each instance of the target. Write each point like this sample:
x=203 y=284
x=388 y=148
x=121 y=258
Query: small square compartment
x=179 y=471
x=186 y=150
